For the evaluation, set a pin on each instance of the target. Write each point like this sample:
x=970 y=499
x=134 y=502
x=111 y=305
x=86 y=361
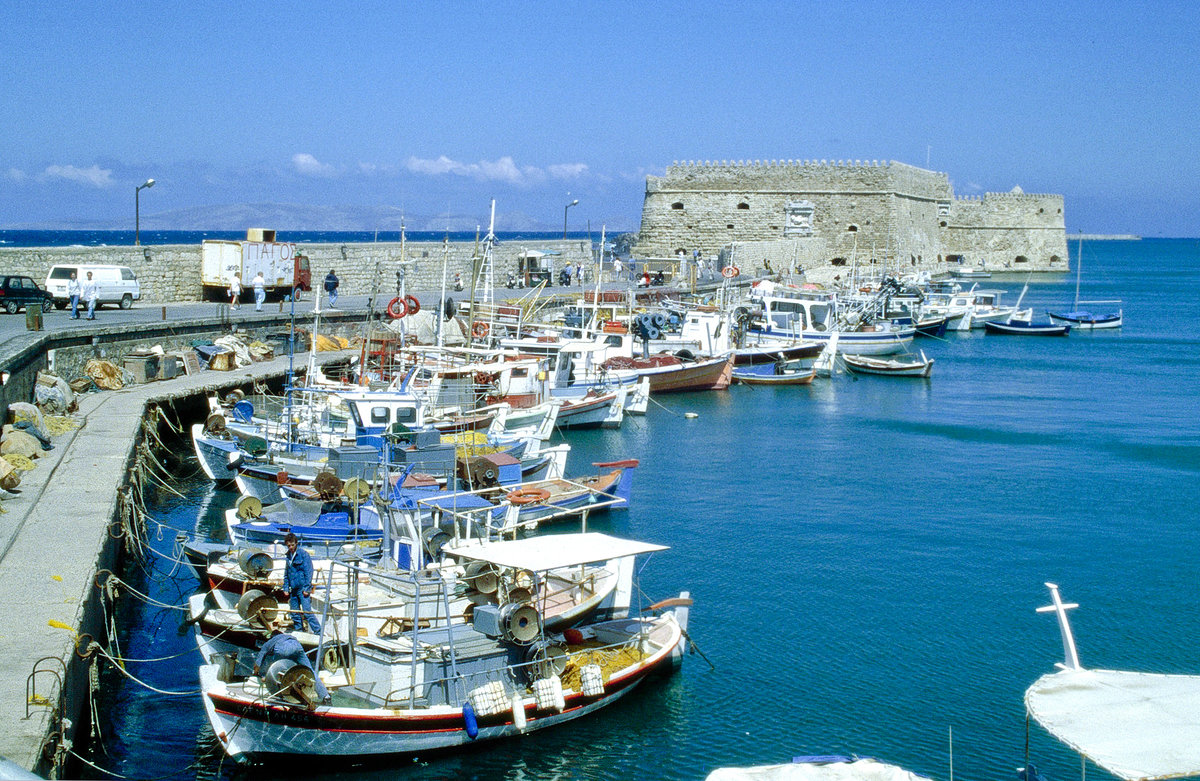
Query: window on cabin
x=520 y=372
x=406 y=414
x=380 y=415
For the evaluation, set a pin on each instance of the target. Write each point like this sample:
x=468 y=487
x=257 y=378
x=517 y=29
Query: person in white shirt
x=90 y=293
x=73 y=290
x=260 y=291
x=235 y=290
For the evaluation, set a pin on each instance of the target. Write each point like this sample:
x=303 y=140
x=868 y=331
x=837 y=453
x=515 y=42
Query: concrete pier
x=54 y=537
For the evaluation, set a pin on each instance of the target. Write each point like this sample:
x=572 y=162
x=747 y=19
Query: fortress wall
x=892 y=210
x=172 y=272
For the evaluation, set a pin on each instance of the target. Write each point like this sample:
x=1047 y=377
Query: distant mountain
x=297 y=217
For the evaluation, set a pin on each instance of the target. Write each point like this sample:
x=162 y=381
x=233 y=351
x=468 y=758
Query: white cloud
x=95 y=176
x=568 y=170
x=504 y=169
x=16 y=175
x=307 y=165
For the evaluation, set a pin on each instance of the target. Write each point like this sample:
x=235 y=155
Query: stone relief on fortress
x=799 y=220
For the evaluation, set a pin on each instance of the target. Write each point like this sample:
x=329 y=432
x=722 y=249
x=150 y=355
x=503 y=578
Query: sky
x=429 y=110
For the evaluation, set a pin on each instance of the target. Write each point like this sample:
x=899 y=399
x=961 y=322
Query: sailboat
x=1085 y=318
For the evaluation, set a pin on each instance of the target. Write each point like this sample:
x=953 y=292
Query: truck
x=285 y=269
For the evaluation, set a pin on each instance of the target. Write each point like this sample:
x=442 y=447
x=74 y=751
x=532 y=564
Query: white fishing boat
x=1137 y=726
x=814 y=315
x=503 y=675
x=891 y=366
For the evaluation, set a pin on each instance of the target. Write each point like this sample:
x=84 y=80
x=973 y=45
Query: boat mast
x=1078 y=269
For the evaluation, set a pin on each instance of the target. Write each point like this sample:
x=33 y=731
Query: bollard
x=164 y=313
x=33 y=317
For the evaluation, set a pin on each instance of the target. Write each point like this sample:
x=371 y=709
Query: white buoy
x=518 y=710
x=690 y=415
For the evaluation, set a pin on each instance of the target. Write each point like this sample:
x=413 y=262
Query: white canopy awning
x=1135 y=725
x=551 y=551
x=858 y=770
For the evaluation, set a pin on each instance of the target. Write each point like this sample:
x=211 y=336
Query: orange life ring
x=480 y=329
x=396 y=308
x=412 y=305
x=729 y=272
x=527 y=496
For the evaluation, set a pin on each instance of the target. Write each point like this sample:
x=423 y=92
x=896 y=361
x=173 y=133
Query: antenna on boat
x=1064 y=626
x=1078 y=269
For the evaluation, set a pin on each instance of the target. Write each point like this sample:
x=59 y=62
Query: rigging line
x=145 y=597
x=99 y=649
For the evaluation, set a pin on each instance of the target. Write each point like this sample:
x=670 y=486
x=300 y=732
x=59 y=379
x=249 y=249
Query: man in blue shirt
x=297 y=581
x=284 y=646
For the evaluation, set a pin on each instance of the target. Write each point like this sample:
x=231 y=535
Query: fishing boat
x=892 y=366
x=1135 y=725
x=815 y=315
x=774 y=374
x=1020 y=323
x=1086 y=318
x=967 y=272
x=502 y=675
x=1017 y=327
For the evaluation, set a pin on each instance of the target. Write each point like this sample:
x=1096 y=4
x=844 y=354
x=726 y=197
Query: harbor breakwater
x=171 y=272
x=79 y=514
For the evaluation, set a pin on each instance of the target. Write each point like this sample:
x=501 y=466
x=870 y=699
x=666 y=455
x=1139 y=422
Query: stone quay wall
x=834 y=213
x=171 y=272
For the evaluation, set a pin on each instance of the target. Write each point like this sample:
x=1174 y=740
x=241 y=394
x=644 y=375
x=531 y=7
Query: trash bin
x=33 y=317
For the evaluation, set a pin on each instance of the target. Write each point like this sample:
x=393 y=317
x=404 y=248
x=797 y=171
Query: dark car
x=17 y=292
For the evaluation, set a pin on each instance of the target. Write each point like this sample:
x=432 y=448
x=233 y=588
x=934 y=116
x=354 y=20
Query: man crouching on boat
x=283 y=646
x=297 y=580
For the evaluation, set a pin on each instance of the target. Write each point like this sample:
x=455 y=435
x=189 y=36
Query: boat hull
x=861 y=342
x=1026 y=329
x=1087 y=321
x=250 y=728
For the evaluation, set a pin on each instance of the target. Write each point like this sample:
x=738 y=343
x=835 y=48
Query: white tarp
x=858 y=770
x=551 y=551
x=1135 y=725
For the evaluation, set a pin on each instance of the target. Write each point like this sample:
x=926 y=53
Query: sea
x=866 y=557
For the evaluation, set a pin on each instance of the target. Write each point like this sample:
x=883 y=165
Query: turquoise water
x=866 y=556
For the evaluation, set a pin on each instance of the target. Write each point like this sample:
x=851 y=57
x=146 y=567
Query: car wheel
x=126 y=301
x=12 y=307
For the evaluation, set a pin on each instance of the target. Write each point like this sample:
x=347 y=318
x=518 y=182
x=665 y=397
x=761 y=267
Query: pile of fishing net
x=106 y=375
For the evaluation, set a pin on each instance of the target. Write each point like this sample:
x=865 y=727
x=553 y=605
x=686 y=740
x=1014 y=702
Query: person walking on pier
x=331 y=286
x=73 y=290
x=283 y=646
x=235 y=290
x=260 y=291
x=297 y=581
x=90 y=293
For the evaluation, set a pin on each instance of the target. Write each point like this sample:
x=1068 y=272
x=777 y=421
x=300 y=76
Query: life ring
x=527 y=496
x=412 y=305
x=729 y=272
x=396 y=308
x=480 y=329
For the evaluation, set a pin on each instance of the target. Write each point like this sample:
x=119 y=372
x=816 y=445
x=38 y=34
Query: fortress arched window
x=942 y=223
x=744 y=205
x=729 y=226
x=838 y=262
x=852 y=228
x=677 y=206
x=1021 y=259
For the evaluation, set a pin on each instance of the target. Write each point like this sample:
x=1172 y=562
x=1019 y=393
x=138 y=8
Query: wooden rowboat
x=908 y=366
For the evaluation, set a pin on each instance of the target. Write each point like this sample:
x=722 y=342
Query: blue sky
x=435 y=108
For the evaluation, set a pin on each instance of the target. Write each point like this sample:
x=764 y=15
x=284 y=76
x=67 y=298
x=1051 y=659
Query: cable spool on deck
x=249 y=507
x=521 y=623
x=327 y=485
x=433 y=540
x=255 y=563
x=214 y=423
x=256 y=446
x=547 y=658
x=254 y=605
x=287 y=677
x=356 y=490
x=481 y=575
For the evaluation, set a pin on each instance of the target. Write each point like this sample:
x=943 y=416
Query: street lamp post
x=137 y=211
x=568 y=206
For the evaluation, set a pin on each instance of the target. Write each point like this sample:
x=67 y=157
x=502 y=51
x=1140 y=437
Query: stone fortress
x=820 y=215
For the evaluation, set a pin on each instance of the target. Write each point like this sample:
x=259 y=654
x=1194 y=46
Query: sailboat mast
x=1078 y=269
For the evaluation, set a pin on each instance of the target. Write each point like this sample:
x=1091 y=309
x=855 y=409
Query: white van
x=114 y=284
